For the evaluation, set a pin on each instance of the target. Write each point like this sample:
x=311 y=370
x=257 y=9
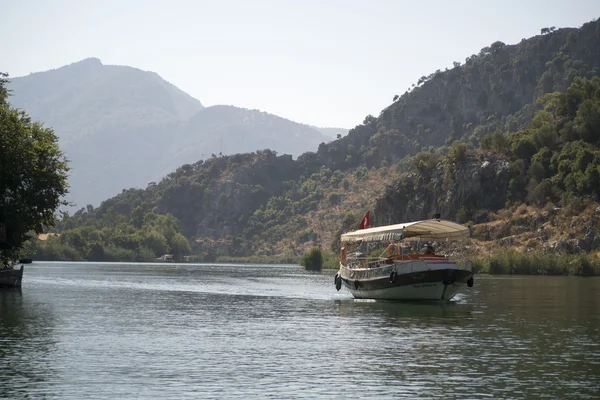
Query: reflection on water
x=230 y=331
x=26 y=342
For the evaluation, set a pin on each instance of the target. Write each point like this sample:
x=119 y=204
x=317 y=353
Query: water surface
x=175 y=331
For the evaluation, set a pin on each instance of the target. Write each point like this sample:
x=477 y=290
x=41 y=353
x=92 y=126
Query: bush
x=480 y=265
x=457 y=152
x=540 y=263
x=313 y=260
x=462 y=215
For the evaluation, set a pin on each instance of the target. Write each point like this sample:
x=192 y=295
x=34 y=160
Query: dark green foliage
x=104 y=235
x=495 y=142
x=33 y=177
x=462 y=215
x=425 y=163
x=313 y=260
x=551 y=158
x=569 y=162
x=335 y=198
x=457 y=152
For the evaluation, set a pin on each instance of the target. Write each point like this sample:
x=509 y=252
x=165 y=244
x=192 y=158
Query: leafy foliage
x=313 y=260
x=103 y=234
x=33 y=177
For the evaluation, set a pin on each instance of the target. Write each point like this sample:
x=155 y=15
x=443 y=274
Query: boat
x=11 y=277
x=382 y=266
x=166 y=258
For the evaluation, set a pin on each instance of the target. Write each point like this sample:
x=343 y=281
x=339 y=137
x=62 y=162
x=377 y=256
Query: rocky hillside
x=495 y=90
x=111 y=119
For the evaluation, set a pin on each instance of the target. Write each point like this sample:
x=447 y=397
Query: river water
x=158 y=331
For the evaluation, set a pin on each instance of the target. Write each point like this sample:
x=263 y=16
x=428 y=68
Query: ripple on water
x=180 y=331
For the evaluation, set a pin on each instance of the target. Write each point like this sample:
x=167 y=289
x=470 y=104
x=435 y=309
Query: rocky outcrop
x=473 y=184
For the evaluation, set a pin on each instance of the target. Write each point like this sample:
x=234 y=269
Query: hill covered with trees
x=506 y=141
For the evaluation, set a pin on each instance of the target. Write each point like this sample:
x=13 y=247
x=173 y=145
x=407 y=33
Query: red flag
x=366 y=221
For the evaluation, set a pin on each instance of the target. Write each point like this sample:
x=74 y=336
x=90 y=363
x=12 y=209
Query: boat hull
x=432 y=284
x=425 y=291
x=10 y=277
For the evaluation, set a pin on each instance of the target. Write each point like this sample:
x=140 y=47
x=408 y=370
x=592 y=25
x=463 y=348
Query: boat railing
x=376 y=262
x=366 y=262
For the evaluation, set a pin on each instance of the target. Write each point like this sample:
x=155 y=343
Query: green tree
x=179 y=246
x=155 y=242
x=313 y=260
x=96 y=252
x=33 y=177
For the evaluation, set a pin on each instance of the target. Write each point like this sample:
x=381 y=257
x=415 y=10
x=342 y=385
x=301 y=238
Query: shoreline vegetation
x=537 y=263
x=506 y=263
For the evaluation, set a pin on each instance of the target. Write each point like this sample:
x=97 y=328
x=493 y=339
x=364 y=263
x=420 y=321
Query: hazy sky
x=326 y=63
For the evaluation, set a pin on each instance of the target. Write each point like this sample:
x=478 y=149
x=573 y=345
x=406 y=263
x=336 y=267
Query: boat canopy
x=431 y=229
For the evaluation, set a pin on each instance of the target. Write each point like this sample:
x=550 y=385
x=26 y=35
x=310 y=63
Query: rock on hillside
x=474 y=183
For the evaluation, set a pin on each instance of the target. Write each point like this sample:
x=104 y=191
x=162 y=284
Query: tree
x=396 y=97
x=313 y=260
x=33 y=177
x=179 y=246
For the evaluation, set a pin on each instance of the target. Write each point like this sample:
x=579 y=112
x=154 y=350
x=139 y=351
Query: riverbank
x=507 y=262
x=537 y=263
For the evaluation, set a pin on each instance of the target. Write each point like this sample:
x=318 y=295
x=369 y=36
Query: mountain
x=231 y=130
x=111 y=119
x=507 y=141
x=87 y=98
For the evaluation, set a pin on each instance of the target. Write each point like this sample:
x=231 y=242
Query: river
x=176 y=331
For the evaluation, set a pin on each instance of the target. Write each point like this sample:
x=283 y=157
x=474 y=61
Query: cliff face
x=474 y=183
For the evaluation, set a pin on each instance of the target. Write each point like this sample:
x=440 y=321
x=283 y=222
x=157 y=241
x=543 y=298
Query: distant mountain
x=83 y=98
x=122 y=127
x=231 y=130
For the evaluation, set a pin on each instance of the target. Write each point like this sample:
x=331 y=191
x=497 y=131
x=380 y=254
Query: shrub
x=540 y=263
x=457 y=152
x=313 y=260
x=462 y=215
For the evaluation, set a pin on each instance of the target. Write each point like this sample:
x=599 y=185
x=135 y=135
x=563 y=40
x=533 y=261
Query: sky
x=321 y=62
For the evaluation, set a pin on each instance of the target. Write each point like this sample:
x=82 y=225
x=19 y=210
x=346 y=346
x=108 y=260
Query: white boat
x=395 y=273
x=166 y=258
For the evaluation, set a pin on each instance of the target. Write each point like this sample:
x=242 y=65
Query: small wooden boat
x=11 y=277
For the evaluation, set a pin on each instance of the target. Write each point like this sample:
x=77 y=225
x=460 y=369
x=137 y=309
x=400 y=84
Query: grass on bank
x=537 y=263
x=508 y=262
